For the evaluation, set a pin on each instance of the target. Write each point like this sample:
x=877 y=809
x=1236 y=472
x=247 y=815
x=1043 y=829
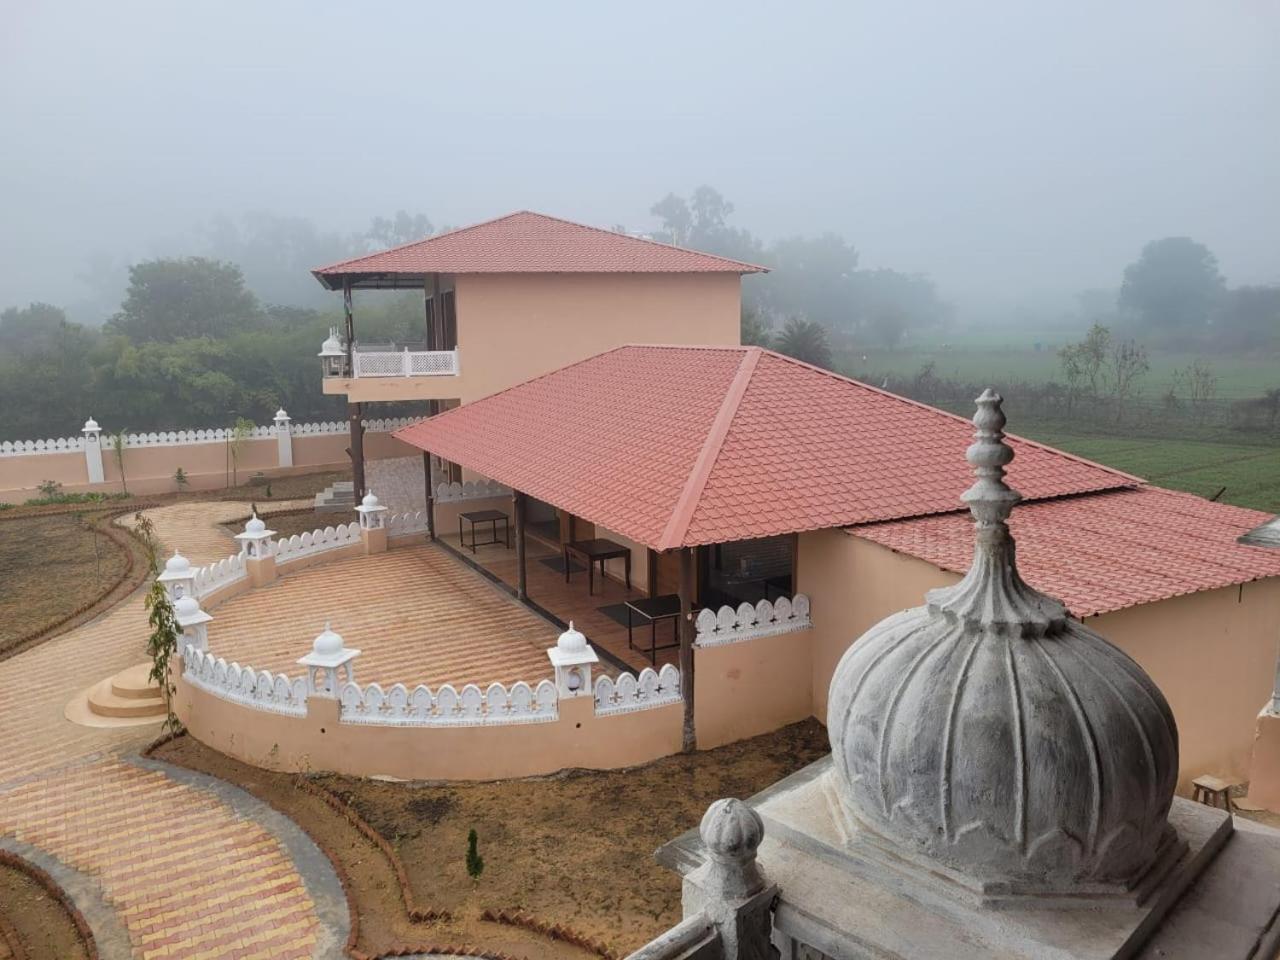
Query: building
x=1001 y=785
x=516 y=297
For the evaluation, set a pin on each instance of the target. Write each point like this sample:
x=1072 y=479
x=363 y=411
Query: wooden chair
x=1207 y=790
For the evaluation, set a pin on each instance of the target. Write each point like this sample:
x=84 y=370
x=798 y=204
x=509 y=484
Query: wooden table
x=596 y=550
x=653 y=609
x=484 y=516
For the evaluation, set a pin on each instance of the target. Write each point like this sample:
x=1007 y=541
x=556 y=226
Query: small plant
x=163 y=642
x=236 y=440
x=180 y=479
x=6 y=506
x=475 y=862
x=49 y=489
x=268 y=491
x=117 y=448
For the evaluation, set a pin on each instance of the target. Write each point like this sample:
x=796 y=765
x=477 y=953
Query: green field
x=1250 y=474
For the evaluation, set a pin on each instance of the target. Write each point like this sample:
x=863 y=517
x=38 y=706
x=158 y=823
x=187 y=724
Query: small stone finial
x=732 y=832
x=992 y=595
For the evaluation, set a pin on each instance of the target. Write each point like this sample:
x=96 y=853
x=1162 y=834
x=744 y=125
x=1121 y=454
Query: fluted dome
x=731 y=830
x=572 y=640
x=327 y=642
x=987 y=733
x=177 y=565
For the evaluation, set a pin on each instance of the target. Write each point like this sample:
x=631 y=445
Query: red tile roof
x=1105 y=551
x=526 y=242
x=678 y=446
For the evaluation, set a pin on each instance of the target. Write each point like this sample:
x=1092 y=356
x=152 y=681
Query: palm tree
x=805 y=340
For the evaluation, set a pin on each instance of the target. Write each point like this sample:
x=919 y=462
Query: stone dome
x=369 y=501
x=332 y=346
x=572 y=641
x=731 y=830
x=255 y=525
x=186 y=606
x=177 y=565
x=989 y=734
x=90 y=426
x=327 y=643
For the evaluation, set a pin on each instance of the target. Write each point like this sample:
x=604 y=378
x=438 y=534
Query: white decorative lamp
x=93 y=450
x=255 y=540
x=572 y=657
x=194 y=623
x=329 y=664
x=371 y=512
x=333 y=359
x=178 y=578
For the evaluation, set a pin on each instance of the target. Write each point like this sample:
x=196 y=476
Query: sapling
x=475 y=862
x=163 y=642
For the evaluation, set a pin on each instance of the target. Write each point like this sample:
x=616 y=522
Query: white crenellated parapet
x=403 y=524
x=20 y=448
x=259 y=689
x=317 y=541
x=321 y=428
x=387 y=424
x=749 y=622
x=470 y=490
x=629 y=693
x=215 y=576
x=447 y=707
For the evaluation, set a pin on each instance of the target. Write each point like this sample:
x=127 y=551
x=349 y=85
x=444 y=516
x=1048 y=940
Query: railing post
x=406 y=364
x=457 y=362
x=284 y=439
x=93 y=450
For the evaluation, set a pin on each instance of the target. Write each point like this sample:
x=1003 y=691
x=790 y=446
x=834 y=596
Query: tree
x=814 y=277
x=31 y=329
x=677 y=220
x=1084 y=363
x=1174 y=286
x=1128 y=365
x=475 y=862
x=175 y=299
x=755 y=329
x=163 y=642
x=887 y=304
x=805 y=340
x=400 y=229
x=1248 y=317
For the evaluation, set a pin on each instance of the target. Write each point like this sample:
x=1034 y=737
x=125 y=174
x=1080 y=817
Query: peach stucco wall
x=1212 y=653
x=745 y=689
x=318 y=742
x=512 y=327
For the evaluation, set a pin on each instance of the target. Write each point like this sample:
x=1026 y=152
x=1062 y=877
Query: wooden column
x=349 y=324
x=688 y=631
x=429 y=481
x=651 y=571
x=522 y=581
x=355 y=424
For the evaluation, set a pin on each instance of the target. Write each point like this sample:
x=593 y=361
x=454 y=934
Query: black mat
x=617 y=612
x=557 y=564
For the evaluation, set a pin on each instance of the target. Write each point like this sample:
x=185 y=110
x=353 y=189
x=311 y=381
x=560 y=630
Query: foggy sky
x=1011 y=151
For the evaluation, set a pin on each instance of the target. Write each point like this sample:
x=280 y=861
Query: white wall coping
x=750 y=622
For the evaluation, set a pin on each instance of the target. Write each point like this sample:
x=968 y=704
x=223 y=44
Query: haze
x=1013 y=152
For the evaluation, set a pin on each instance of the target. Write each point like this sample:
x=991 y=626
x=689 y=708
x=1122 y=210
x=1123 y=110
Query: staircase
x=339 y=498
x=128 y=694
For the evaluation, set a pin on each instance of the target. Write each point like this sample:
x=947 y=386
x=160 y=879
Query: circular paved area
x=163 y=862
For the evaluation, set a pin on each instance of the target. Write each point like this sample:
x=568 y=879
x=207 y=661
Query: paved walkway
x=164 y=863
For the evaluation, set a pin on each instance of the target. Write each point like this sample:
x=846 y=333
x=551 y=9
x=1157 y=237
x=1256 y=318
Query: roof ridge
x=1132 y=478
x=414 y=243
x=681 y=516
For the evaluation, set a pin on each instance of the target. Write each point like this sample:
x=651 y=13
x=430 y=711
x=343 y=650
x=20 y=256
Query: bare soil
x=574 y=849
x=42 y=925
x=51 y=566
x=286 y=523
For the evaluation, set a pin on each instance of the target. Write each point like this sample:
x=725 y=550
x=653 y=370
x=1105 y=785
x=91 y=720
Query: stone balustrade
x=259 y=689
x=447 y=706
x=630 y=693
x=215 y=576
x=749 y=622
x=317 y=541
x=404 y=524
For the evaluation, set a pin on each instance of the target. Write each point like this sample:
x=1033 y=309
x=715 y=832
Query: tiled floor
x=186 y=873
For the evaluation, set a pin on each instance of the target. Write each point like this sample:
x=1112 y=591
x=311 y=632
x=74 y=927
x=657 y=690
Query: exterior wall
x=512 y=327
x=318 y=741
x=1212 y=653
x=447 y=516
x=150 y=469
x=745 y=689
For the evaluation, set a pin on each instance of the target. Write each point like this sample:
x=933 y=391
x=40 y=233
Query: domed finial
x=992 y=595
x=732 y=831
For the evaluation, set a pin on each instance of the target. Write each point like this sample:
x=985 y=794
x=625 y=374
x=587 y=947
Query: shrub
x=475 y=862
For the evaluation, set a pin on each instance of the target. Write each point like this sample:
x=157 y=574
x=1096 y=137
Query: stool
x=1208 y=789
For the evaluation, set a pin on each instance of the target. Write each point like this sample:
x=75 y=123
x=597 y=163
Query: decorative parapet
x=259 y=689
x=629 y=693
x=218 y=575
x=316 y=429
x=403 y=524
x=317 y=541
x=447 y=707
x=19 y=448
x=748 y=622
x=470 y=490
x=388 y=424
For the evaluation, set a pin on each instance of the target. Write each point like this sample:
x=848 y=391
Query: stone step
x=107 y=704
x=134 y=683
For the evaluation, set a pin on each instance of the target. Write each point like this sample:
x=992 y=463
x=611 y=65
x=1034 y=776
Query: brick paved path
x=183 y=866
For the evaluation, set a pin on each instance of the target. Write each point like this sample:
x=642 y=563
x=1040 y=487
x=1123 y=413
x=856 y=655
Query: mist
x=1015 y=153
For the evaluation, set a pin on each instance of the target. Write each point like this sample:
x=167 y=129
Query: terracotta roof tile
x=1104 y=551
x=678 y=446
x=526 y=242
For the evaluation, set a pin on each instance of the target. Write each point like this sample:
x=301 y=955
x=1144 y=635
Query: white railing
x=317 y=541
x=447 y=707
x=470 y=490
x=406 y=363
x=748 y=622
x=218 y=575
x=629 y=693
x=259 y=689
x=403 y=524
x=319 y=428
x=19 y=448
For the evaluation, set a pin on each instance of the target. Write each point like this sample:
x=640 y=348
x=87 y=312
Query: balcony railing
x=405 y=363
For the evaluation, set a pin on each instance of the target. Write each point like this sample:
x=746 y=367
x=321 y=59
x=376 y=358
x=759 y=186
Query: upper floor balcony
x=388 y=371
